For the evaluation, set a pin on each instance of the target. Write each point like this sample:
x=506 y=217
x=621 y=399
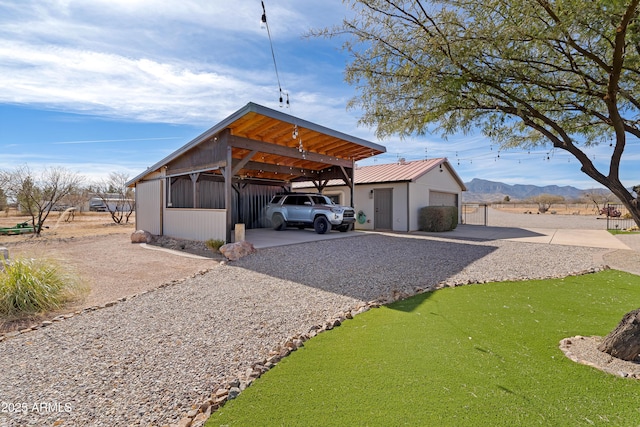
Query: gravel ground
x=147 y=360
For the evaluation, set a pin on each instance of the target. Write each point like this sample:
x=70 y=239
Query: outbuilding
x=389 y=196
x=227 y=175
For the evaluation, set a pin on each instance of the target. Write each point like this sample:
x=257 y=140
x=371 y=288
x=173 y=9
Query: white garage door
x=438 y=198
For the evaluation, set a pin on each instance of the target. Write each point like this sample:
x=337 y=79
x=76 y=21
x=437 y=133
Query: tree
x=526 y=73
x=545 y=201
x=38 y=194
x=598 y=198
x=624 y=341
x=116 y=196
x=4 y=180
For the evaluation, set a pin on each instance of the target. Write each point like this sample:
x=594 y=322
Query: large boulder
x=141 y=236
x=235 y=251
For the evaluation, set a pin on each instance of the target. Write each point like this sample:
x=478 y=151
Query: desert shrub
x=30 y=286
x=214 y=244
x=438 y=218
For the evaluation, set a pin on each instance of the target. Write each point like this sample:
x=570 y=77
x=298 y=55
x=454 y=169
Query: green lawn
x=615 y=232
x=469 y=356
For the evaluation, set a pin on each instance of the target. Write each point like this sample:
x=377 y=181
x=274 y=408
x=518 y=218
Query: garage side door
x=149 y=206
x=438 y=198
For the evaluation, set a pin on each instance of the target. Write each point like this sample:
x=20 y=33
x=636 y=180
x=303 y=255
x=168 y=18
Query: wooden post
x=239 y=233
x=228 y=196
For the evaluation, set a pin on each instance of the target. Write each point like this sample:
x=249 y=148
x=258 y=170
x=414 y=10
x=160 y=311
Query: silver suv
x=304 y=210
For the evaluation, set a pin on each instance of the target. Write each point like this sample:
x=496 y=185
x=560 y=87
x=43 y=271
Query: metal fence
x=618 y=217
x=474 y=213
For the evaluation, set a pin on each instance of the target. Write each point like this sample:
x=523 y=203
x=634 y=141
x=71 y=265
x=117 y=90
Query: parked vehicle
x=304 y=210
x=97 y=204
x=611 y=212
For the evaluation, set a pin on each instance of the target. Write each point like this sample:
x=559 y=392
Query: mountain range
x=481 y=190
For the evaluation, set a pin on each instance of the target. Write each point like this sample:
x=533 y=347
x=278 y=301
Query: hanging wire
x=273 y=55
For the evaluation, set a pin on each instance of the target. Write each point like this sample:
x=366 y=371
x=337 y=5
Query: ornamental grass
x=32 y=286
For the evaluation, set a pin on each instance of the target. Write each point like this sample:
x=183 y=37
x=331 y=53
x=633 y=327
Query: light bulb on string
x=263 y=19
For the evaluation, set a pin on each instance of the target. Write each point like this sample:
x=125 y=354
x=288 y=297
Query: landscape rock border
x=584 y=350
x=61 y=317
x=199 y=414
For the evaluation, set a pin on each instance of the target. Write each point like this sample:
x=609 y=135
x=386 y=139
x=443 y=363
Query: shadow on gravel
x=368 y=266
x=481 y=233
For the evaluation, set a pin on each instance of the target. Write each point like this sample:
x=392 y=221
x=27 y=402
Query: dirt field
x=102 y=254
x=588 y=209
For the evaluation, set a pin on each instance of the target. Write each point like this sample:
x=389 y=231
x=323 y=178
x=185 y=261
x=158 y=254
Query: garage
x=227 y=175
x=439 y=198
x=390 y=196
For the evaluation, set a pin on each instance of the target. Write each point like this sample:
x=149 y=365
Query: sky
x=100 y=86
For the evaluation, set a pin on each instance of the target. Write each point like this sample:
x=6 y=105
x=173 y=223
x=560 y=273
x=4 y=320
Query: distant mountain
x=481 y=190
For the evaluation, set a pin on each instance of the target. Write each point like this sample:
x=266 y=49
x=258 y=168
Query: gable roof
x=398 y=172
x=395 y=172
x=270 y=140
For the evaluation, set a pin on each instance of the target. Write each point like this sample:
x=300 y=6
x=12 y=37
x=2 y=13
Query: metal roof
x=394 y=172
x=264 y=125
x=397 y=172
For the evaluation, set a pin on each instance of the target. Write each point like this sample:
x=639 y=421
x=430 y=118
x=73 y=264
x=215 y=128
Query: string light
x=265 y=24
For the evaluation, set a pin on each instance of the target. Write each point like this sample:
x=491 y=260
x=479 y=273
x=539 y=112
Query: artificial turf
x=468 y=356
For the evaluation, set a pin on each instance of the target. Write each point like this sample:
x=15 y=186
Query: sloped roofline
x=252 y=107
x=442 y=161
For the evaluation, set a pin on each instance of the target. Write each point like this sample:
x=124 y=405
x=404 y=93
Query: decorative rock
x=234 y=392
x=204 y=407
x=235 y=251
x=184 y=422
x=200 y=419
x=141 y=236
x=4 y=253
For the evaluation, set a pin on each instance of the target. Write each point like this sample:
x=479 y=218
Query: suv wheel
x=321 y=225
x=277 y=221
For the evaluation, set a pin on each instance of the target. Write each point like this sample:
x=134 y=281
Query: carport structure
x=228 y=174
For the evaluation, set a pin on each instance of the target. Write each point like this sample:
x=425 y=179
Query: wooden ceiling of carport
x=277 y=155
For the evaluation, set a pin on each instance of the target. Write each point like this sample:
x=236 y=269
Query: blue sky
x=116 y=85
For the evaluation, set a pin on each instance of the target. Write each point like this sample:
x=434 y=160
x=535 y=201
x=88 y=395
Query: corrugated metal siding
x=250 y=203
x=249 y=200
x=195 y=224
x=210 y=192
x=148 y=206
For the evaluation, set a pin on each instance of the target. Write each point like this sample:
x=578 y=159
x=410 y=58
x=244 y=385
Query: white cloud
x=169 y=61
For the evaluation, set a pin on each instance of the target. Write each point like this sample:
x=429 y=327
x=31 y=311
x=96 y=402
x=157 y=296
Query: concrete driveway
x=266 y=237
x=556 y=236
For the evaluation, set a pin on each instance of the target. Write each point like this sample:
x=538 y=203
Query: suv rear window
x=276 y=199
x=320 y=200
